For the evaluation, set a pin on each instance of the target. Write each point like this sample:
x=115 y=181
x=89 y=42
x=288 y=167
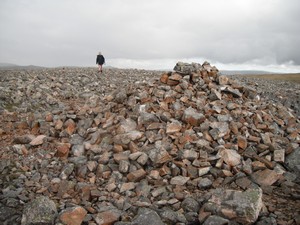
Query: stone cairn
x=193 y=147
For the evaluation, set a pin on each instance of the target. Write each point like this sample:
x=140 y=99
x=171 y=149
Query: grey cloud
x=54 y=33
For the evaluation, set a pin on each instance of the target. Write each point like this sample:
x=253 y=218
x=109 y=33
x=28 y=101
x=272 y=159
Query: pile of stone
x=282 y=92
x=191 y=147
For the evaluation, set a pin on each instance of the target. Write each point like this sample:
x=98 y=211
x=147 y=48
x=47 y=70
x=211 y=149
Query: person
x=100 y=61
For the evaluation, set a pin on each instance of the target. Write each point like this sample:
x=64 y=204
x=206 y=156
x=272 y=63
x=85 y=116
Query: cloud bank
x=151 y=34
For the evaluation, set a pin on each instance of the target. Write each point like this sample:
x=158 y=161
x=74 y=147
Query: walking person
x=100 y=61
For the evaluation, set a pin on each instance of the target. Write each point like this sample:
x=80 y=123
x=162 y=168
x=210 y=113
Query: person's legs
x=100 y=68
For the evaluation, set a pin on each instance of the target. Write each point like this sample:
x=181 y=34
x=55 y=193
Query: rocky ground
x=131 y=147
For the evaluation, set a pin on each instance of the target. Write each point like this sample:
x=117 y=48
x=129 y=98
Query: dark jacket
x=100 y=60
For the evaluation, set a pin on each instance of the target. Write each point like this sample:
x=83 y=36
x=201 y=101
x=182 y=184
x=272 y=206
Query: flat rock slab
x=238 y=206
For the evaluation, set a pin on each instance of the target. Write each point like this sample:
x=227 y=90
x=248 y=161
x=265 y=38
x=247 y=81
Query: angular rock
x=63 y=150
x=219 y=129
x=147 y=118
x=215 y=95
x=293 y=161
x=173 y=127
x=230 y=157
x=179 y=180
x=205 y=183
x=216 y=220
x=241 y=207
x=73 y=216
x=192 y=117
x=38 y=140
x=235 y=93
x=127 y=187
x=223 y=80
x=265 y=177
x=126 y=126
x=41 y=210
x=127 y=137
x=190 y=205
x=24 y=139
x=279 y=155
x=242 y=142
x=159 y=156
x=147 y=216
x=108 y=217
x=136 y=175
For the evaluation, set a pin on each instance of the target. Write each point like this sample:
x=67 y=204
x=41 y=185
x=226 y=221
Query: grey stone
x=168 y=216
x=147 y=118
x=266 y=221
x=293 y=162
x=6 y=212
x=40 y=211
x=235 y=93
x=241 y=207
x=121 y=97
x=147 y=216
x=190 y=205
x=126 y=126
x=124 y=166
x=179 y=180
x=67 y=170
x=186 y=68
x=215 y=95
x=205 y=183
x=215 y=220
x=78 y=150
x=193 y=117
x=4 y=163
x=24 y=139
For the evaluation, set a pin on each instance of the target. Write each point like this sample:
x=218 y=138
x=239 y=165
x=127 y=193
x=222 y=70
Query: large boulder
x=40 y=211
x=238 y=206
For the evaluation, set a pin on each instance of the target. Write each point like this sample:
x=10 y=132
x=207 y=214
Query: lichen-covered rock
x=242 y=207
x=40 y=211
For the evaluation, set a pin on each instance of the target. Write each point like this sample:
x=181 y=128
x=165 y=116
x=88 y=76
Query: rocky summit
x=133 y=147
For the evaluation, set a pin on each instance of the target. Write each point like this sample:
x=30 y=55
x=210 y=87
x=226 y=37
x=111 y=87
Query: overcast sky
x=152 y=34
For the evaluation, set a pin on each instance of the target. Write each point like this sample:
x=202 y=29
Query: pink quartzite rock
x=73 y=216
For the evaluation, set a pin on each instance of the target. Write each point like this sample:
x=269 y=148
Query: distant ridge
x=244 y=72
x=11 y=66
x=7 y=65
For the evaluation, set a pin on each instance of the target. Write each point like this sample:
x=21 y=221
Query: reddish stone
x=265 y=177
x=173 y=127
x=49 y=117
x=73 y=216
x=70 y=126
x=164 y=78
x=173 y=82
x=175 y=77
x=254 y=139
x=63 y=150
x=38 y=140
x=136 y=175
x=58 y=125
x=242 y=142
